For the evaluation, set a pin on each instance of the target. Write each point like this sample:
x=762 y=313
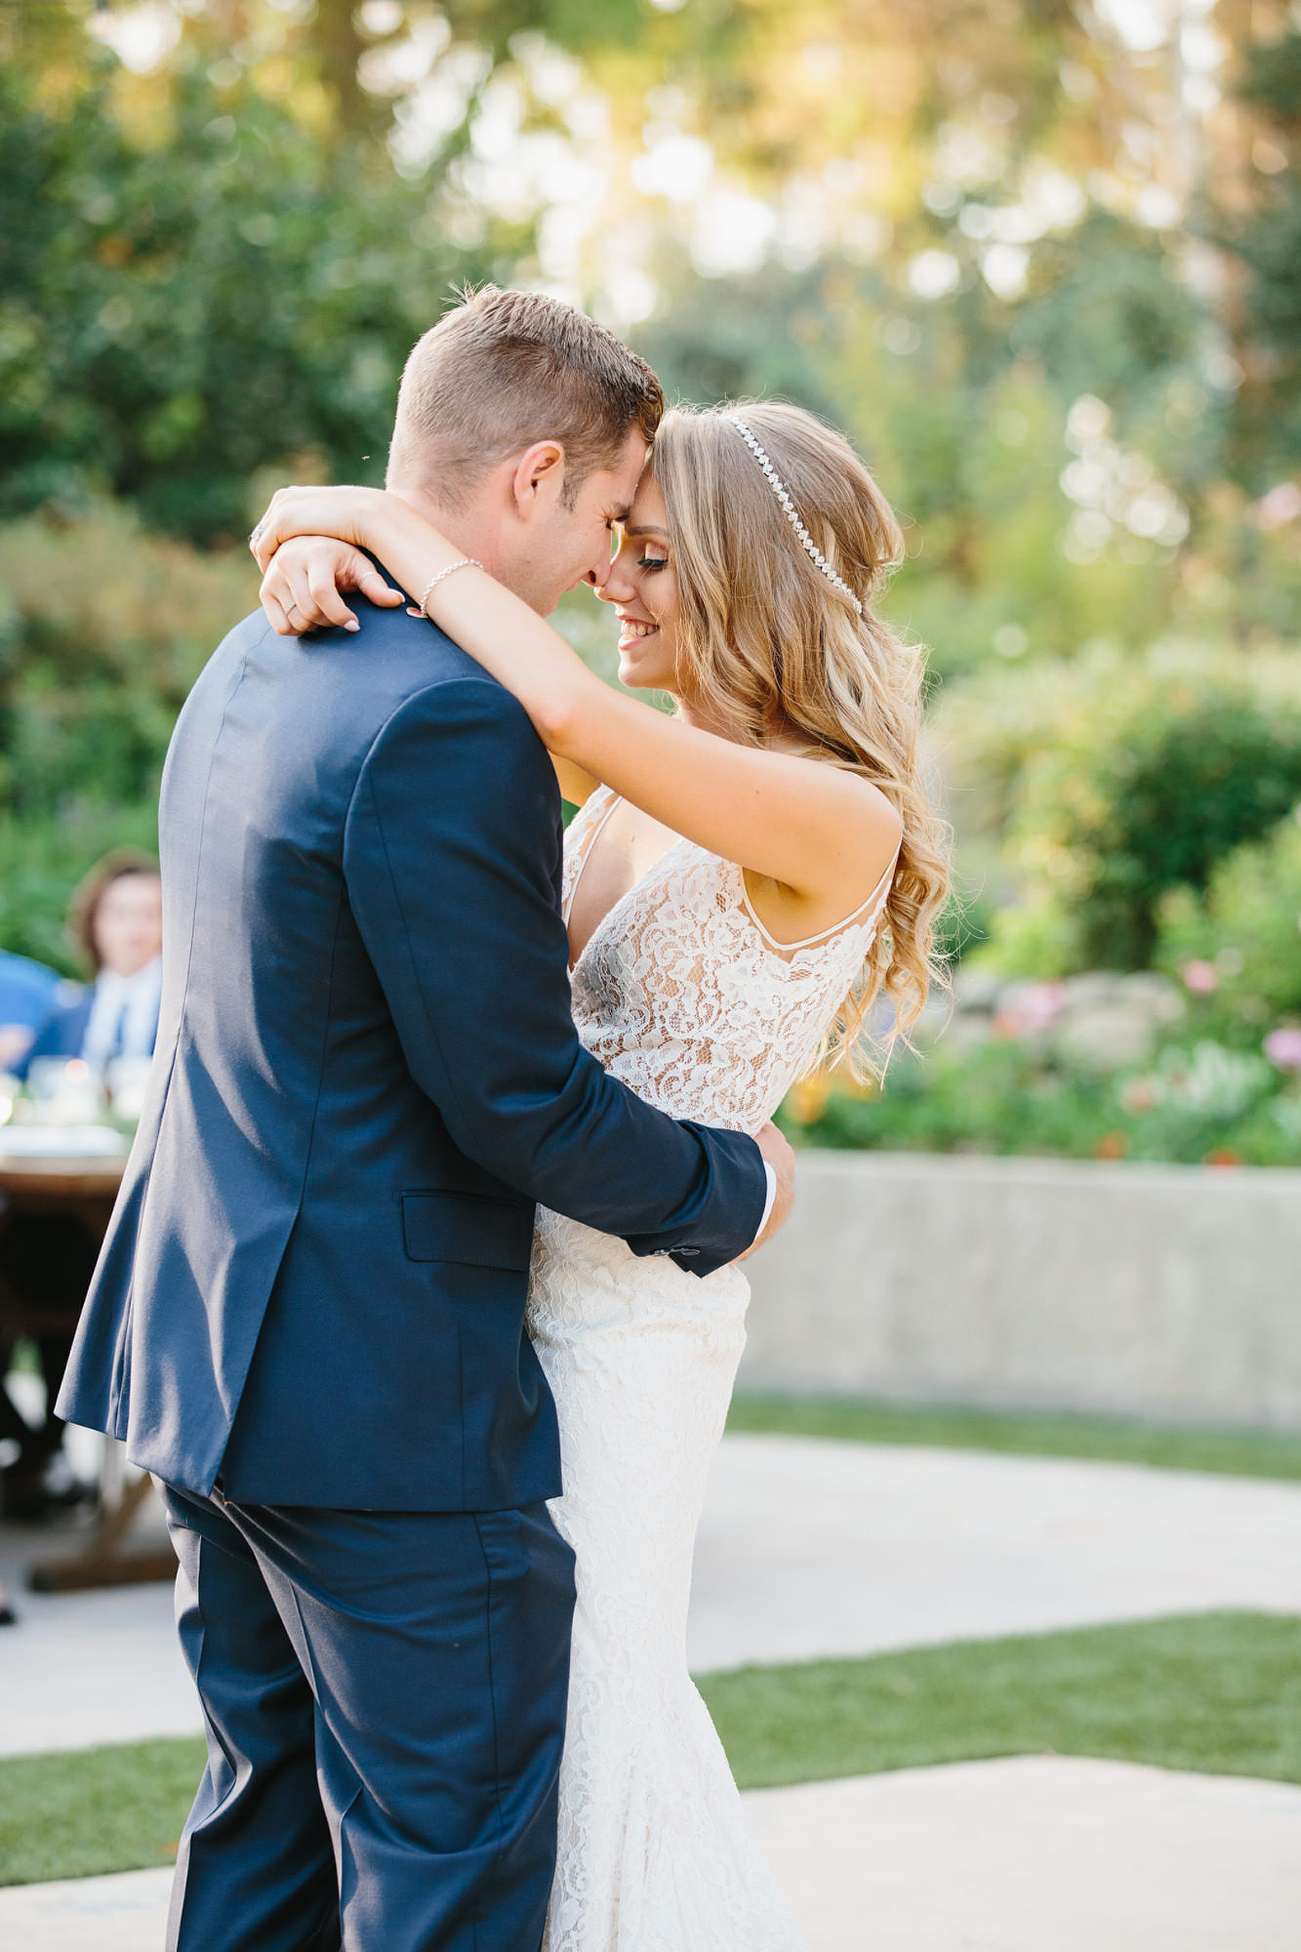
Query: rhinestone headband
x=779 y=489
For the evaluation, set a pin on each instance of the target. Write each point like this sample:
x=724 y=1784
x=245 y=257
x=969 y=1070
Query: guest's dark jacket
x=366 y=1075
x=28 y=990
x=62 y=1034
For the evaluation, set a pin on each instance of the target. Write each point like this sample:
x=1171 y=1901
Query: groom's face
x=572 y=546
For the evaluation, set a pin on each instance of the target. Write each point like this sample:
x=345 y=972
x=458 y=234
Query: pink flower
x=1200 y=977
x=1042 y=1006
x=1283 y=1047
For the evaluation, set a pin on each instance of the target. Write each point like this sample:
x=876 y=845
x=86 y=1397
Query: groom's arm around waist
x=451 y=857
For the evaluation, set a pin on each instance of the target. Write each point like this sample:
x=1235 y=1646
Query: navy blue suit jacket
x=366 y=1075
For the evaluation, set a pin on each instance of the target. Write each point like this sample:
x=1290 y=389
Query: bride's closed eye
x=652 y=562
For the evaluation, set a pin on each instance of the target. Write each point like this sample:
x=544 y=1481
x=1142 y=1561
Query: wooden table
x=86 y=1187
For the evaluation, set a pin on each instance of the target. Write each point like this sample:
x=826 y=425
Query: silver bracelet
x=465 y=562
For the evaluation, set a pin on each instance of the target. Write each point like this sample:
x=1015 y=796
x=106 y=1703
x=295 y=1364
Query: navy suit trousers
x=385 y=1698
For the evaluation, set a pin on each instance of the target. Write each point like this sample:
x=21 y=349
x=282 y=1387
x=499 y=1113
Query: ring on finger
x=255 y=535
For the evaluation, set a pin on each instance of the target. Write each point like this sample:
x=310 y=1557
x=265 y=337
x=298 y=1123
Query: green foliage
x=1116 y=781
x=1216 y=1693
x=720 y=339
x=1222 y=1083
x=1108 y=314
x=962 y=417
x=1000 y=1098
x=230 y=295
x=1267 y=238
x=1247 y=932
x=1180 y=794
x=1199 y=1101
x=103 y=629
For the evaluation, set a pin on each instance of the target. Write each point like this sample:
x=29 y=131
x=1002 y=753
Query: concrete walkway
x=807 y=1548
x=1032 y=1854
x=811 y=1548
x=86 y=1668
x=1037 y=1854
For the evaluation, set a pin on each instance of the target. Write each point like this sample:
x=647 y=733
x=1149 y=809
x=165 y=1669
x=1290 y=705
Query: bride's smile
x=640 y=586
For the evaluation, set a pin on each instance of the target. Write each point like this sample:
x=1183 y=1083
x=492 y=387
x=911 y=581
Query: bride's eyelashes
x=652 y=562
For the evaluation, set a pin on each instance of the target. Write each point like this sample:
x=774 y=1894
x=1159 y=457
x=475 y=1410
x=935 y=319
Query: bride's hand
x=350 y=514
x=303 y=585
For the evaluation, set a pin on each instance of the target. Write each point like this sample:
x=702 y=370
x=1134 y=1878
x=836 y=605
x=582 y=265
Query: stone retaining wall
x=1152 y=1291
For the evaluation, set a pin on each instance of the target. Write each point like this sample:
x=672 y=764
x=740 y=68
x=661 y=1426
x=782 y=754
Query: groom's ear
x=537 y=484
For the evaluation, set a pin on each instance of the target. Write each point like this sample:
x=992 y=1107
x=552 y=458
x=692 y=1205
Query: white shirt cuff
x=771 y=1176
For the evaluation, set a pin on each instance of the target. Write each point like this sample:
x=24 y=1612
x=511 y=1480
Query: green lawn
x=1220 y=1693
x=1234 y=1452
x=81 y=1811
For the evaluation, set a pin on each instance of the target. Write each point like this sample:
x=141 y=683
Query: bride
x=742 y=881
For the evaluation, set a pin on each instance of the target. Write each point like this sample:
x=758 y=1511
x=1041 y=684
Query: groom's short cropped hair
x=505 y=369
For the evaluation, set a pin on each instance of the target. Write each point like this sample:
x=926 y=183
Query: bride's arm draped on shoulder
x=743 y=576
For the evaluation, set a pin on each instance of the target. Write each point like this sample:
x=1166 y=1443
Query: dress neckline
x=588 y=843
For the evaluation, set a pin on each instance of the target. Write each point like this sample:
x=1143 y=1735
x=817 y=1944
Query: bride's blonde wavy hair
x=769 y=642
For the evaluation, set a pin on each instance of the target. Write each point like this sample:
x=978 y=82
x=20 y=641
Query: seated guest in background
x=29 y=992
x=46 y=1260
x=117 y=923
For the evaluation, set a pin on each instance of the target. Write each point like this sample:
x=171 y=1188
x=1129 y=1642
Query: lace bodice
x=683 y=995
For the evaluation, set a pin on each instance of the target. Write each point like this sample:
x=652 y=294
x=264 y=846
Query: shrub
x=1244 y=939
x=1195 y=1103
x=1116 y=781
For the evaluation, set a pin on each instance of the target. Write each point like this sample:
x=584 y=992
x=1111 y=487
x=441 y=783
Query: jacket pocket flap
x=467 y=1227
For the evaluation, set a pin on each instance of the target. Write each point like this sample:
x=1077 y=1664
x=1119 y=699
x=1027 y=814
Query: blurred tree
x=759 y=333
x=219 y=292
x=965 y=424
x=1262 y=227
x=1017 y=172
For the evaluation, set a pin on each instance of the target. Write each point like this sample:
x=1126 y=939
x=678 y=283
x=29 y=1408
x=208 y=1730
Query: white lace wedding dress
x=682 y=994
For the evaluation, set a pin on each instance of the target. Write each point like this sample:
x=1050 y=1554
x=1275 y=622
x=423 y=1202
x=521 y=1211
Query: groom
x=308 y=1317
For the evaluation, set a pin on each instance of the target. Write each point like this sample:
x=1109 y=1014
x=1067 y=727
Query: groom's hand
x=777 y=1154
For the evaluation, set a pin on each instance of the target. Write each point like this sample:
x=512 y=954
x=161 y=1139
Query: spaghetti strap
x=875 y=903
x=586 y=844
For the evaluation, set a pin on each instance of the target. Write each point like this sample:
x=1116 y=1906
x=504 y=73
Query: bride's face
x=640 y=585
